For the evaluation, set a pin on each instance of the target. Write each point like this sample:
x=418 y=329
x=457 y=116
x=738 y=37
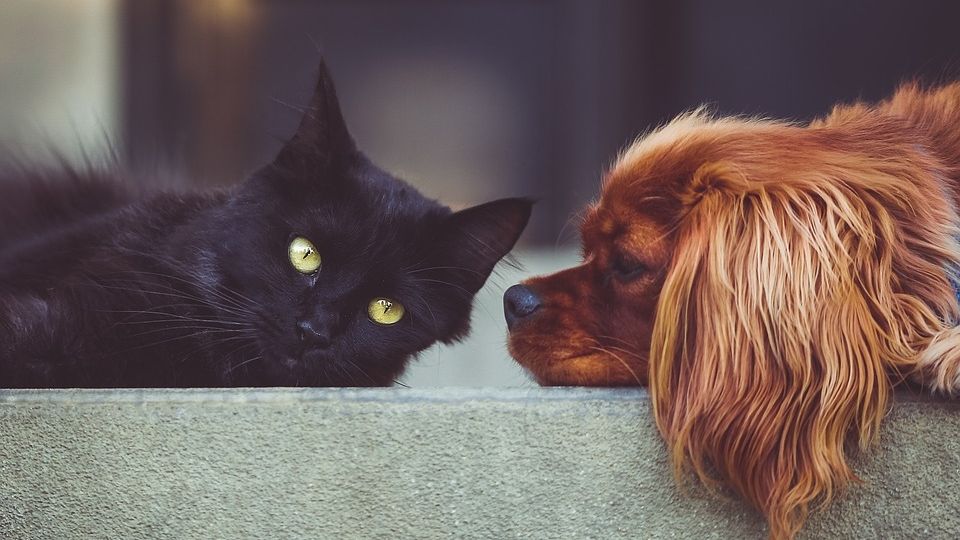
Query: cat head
x=347 y=271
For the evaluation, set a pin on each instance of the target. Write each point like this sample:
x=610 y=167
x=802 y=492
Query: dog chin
x=587 y=369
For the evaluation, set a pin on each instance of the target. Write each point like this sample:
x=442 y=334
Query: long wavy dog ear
x=790 y=310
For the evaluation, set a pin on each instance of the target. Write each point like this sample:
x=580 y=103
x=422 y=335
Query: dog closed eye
x=627 y=268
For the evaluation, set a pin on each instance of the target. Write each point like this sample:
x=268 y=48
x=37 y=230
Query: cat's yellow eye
x=303 y=255
x=384 y=311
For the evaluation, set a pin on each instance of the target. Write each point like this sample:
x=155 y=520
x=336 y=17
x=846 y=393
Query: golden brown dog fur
x=771 y=283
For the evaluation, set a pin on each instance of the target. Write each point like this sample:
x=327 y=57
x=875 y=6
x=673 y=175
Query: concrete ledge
x=398 y=463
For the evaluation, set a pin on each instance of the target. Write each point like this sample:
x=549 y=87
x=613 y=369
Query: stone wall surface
x=408 y=463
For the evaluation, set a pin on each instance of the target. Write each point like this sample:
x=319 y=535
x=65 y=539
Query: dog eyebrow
x=599 y=226
x=649 y=198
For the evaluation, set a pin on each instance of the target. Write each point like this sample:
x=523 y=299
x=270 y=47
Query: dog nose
x=519 y=302
x=313 y=334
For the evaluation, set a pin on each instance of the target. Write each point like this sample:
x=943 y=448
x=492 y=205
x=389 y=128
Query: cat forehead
x=373 y=212
x=388 y=191
x=380 y=228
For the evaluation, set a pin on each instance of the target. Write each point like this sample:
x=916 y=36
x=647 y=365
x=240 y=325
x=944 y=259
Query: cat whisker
x=235 y=350
x=203 y=287
x=205 y=347
x=205 y=329
x=233 y=327
x=461 y=268
x=153 y=316
x=414 y=265
x=177 y=324
x=172 y=316
x=181 y=296
x=442 y=282
x=197 y=282
x=422 y=303
x=241 y=364
x=195 y=334
x=365 y=374
x=290 y=106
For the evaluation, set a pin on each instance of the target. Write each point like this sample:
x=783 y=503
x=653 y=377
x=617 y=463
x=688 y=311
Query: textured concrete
x=396 y=463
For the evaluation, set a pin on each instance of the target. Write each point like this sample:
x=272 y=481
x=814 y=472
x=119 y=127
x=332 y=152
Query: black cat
x=319 y=270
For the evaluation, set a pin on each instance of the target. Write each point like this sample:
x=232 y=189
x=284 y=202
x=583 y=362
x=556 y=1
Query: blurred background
x=470 y=100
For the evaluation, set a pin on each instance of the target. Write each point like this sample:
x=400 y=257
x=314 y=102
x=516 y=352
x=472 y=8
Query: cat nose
x=519 y=302
x=314 y=334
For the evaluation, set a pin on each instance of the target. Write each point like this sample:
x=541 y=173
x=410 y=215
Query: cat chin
x=311 y=358
x=299 y=363
x=282 y=370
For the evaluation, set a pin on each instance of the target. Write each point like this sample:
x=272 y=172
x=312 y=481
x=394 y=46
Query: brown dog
x=771 y=283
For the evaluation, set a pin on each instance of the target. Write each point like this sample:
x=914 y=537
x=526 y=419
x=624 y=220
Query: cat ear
x=322 y=137
x=475 y=239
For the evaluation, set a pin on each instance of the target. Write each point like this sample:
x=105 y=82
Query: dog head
x=768 y=281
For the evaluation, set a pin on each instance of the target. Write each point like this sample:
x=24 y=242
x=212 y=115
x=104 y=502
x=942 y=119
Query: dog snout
x=519 y=302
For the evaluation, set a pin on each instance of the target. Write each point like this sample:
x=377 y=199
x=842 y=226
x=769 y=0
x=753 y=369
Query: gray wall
x=524 y=463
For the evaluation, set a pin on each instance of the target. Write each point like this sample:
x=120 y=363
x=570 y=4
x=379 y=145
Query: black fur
x=102 y=287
